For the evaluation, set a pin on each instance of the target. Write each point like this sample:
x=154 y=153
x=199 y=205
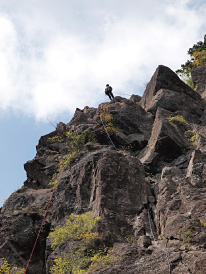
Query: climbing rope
x=107 y=133
x=150 y=224
x=149 y=218
x=94 y=119
x=41 y=226
x=122 y=94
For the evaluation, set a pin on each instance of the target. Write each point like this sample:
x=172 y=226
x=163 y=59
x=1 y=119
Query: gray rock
x=167 y=140
x=170 y=172
x=199 y=79
x=144 y=241
x=165 y=78
x=170 y=182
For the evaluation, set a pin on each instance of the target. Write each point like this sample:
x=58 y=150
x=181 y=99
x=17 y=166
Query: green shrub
x=78 y=139
x=178 y=118
x=67 y=159
x=187 y=236
x=101 y=259
x=71 y=262
x=77 y=227
x=77 y=262
x=82 y=258
x=188 y=81
x=197 y=57
x=55 y=139
x=108 y=120
x=5 y=268
x=131 y=240
x=54 y=179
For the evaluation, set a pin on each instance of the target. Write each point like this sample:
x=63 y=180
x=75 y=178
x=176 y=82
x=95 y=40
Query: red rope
x=95 y=117
x=40 y=228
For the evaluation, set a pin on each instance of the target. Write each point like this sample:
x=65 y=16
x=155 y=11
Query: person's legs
x=110 y=97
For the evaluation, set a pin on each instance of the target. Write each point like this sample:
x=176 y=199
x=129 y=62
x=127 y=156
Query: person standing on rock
x=108 y=91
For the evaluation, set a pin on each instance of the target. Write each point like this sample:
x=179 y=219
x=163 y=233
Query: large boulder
x=167 y=91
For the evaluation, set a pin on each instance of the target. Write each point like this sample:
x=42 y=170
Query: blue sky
x=58 y=55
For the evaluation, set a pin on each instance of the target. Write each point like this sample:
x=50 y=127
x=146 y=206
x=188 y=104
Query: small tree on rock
x=197 y=55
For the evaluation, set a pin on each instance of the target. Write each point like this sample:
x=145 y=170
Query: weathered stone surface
x=177 y=101
x=135 y=98
x=144 y=241
x=144 y=206
x=110 y=183
x=180 y=209
x=167 y=140
x=140 y=260
x=165 y=78
x=199 y=79
x=197 y=169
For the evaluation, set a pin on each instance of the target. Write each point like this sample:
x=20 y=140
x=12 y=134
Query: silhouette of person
x=108 y=91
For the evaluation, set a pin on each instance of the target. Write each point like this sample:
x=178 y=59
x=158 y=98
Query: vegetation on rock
x=178 y=118
x=77 y=227
x=197 y=55
x=108 y=120
x=84 y=258
x=5 y=268
x=78 y=139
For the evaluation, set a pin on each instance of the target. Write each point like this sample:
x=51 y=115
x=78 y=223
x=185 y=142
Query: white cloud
x=7 y=57
x=55 y=57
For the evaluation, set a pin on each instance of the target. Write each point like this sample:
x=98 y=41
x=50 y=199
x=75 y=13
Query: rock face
x=199 y=79
x=166 y=90
x=138 y=164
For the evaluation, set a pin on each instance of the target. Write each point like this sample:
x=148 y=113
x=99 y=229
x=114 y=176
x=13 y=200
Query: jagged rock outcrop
x=167 y=140
x=138 y=164
x=166 y=90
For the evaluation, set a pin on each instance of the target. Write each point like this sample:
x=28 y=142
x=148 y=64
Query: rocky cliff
x=139 y=164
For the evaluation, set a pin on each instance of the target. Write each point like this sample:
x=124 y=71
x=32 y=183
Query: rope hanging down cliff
x=94 y=119
x=149 y=218
x=107 y=133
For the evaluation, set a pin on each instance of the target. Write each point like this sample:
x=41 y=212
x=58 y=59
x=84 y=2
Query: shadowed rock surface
x=146 y=180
